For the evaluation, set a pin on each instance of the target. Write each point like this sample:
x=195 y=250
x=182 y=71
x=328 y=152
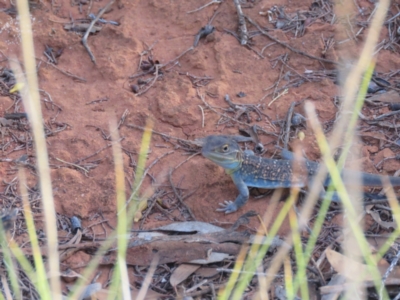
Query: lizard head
x=222 y=150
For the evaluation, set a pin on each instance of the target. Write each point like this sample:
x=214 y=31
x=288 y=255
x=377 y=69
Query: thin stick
x=204 y=6
x=89 y=7
x=62 y=71
x=186 y=160
x=244 y=36
x=85 y=37
x=162 y=65
x=288 y=123
x=148 y=279
x=282 y=58
x=285 y=91
x=97 y=101
x=202 y=115
x=266 y=46
x=72 y=164
x=97 y=152
x=151 y=83
x=290 y=47
x=144 y=175
x=178 y=57
x=228 y=117
x=163 y=134
x=145 y=52
x=179 y=196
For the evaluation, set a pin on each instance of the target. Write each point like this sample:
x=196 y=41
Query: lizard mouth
x=228 y=161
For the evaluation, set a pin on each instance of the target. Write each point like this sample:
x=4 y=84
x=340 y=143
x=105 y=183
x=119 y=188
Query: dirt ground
x=219 y=65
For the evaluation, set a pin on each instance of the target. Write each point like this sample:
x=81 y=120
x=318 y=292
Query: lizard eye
x=225 y=148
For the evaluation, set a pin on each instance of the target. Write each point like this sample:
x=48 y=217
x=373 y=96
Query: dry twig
x=85 y=37
x=290 y=47
x=244 y=36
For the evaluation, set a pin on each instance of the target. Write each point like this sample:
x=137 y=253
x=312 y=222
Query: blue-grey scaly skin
x=248 y=170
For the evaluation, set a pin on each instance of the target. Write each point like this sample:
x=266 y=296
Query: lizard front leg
x=229 y=206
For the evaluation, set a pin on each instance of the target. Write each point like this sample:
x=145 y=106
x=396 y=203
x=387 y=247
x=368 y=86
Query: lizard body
x=248 y=170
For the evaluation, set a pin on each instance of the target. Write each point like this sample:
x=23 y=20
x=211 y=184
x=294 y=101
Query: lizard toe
x=227 y=207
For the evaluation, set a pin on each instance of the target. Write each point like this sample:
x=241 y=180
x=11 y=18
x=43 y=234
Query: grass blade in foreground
x=88 y=272
x=9 y=263
x=120 y=281
x=241 y=258
x=344 y=196
x=394 y=204
x=257 y=253
x=351 y=88
x=31 y=101
x=301 y=273
x=41 y=278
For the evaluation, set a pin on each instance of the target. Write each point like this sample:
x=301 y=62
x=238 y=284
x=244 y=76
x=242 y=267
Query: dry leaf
x=389 y=97
x=90 y=290
x=150 y=295
x=346 y=266
x=334 y=288
x=352 y=269
x=207 y=272
x=377 y=218
x=70 y=275
x=191 y=226
x=181 y=273
x=212 y=258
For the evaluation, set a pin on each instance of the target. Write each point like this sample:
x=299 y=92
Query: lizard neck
x=239 y=161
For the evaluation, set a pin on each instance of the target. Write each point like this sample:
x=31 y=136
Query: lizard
x=248 y=170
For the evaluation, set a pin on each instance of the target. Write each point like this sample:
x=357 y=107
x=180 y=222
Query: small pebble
x=135 y=88
x=297 y=119
x=75 y=224
x=394 y=106
x=259 y=148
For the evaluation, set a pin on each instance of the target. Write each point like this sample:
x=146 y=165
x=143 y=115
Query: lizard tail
x=367 y=179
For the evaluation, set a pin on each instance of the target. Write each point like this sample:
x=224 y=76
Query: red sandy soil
x=172 y=102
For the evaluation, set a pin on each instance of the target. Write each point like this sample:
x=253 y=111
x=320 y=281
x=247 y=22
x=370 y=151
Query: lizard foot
x=228 y=207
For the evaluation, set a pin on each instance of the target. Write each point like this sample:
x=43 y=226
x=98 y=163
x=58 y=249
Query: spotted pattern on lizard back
x=257 y=171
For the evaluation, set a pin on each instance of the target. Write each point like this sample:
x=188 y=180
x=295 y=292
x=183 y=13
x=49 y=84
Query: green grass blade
x=354 y=117
x=258 y=252
x=79 y=286
x=299 y=254
x=9 y=263
x=120 y=281
x=287 y=266
x=41 y=282
x=31 y=100
x=301 y=275
x=394 y=204
x=344 y=196
x=144 y=148
x=2 y=296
